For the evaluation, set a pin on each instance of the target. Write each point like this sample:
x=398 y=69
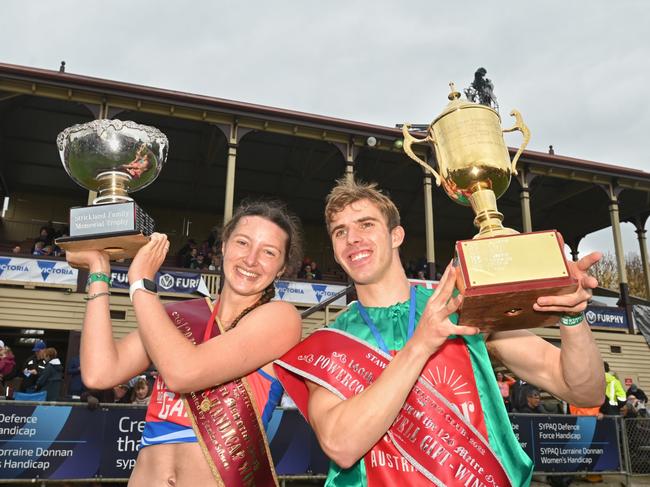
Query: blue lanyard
x=373 y=328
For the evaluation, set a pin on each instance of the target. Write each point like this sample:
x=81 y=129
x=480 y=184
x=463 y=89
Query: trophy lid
x=456 y=103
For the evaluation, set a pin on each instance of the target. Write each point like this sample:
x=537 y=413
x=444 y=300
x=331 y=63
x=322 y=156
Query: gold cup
x=500 y=272
x=473 y=160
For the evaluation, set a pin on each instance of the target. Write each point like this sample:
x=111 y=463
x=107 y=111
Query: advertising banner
x=39 y=271
x=307 y=292
x=606 y=317
x=122 y=431
x=66 y=442
x=168 y=281
x=569 y=443
x=51 y=442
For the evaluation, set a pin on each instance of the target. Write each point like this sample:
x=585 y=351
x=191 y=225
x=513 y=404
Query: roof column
x=428 y=223
x=230 y=183
x=524 y=179
x=639 y=223
x=351 y=153
x=624 y=300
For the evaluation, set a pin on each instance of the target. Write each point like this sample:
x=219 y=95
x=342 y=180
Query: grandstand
x=222 y=151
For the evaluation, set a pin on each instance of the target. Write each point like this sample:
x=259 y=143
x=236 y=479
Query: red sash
x=224 y=417
x=431 y=439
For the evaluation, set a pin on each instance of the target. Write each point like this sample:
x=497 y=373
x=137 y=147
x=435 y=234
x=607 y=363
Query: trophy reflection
x=112 y=158
x=500 y=273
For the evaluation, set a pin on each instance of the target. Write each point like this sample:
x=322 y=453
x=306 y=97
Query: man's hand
x=577 y=301
x=434 y=326
x=149 y=258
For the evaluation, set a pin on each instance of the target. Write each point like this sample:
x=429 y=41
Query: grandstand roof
x=292 y=155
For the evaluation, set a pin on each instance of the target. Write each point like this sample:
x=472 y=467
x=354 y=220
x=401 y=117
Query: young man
x=427 y=410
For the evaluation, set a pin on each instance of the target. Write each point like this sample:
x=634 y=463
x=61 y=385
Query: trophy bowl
x=112 y=158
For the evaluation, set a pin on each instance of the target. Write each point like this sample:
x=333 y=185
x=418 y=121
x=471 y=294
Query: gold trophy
x=500 y=272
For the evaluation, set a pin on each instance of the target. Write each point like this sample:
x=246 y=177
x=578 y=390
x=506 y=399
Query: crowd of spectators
x=206 y=256
x=42 y=245
x=43 y=373
x=310 y=271
x=521 y=397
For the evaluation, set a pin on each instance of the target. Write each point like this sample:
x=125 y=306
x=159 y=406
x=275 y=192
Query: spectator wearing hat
x=51 y=378
x=34 y=365
x=638 y=393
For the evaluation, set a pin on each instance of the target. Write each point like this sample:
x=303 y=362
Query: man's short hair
x=348 y=191
x=532 y=391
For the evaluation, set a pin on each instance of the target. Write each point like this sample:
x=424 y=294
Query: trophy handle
x=523 y=128
x=409 y=140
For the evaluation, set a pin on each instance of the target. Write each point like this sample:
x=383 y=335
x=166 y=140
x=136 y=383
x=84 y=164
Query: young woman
x=244 y=333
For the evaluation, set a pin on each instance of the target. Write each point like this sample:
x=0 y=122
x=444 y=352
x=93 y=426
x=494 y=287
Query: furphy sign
x=607 y=317
x=42 y=271
x=168 y=281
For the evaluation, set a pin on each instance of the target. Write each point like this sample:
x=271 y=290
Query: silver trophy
x=113 y=158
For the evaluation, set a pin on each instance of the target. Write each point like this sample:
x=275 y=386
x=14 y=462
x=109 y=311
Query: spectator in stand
x=121 y=394
x=421 y=275
x=518 y=394
x=504 y=382
x=17 y=249
x=318 y=275
x=7 y=364
x=190 y=258
x=51 y=378
x=38 y=248
x=48 y=251
x=638 y=393
x=184 y=252
x=306 y=273
x=639 y=406
x=215 y=263
x=533 y=402
x=614 y=392
x=76 y=386
x=44 y=236
x=34 y=365
x=140 y=394
x=199 y=263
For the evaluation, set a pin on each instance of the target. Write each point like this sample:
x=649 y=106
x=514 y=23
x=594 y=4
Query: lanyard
x=375 y=332
x=208 y=328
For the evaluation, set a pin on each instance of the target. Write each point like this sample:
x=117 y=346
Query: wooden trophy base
x=501 y=277
x=118 y=246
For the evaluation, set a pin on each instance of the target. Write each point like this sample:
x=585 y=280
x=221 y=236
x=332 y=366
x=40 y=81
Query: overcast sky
x=577 y=70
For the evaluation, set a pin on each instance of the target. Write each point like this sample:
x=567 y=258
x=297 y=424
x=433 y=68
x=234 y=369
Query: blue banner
x=569 y=443
x=608 y=317
x=51 y=442
x=168 y=281
x=66 y=442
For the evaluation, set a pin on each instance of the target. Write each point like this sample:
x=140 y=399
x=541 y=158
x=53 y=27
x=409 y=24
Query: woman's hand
x=149 y=258
x=93 y=260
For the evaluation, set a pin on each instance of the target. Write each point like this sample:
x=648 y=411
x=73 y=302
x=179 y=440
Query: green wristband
x=572 y=320
x=98 y=276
